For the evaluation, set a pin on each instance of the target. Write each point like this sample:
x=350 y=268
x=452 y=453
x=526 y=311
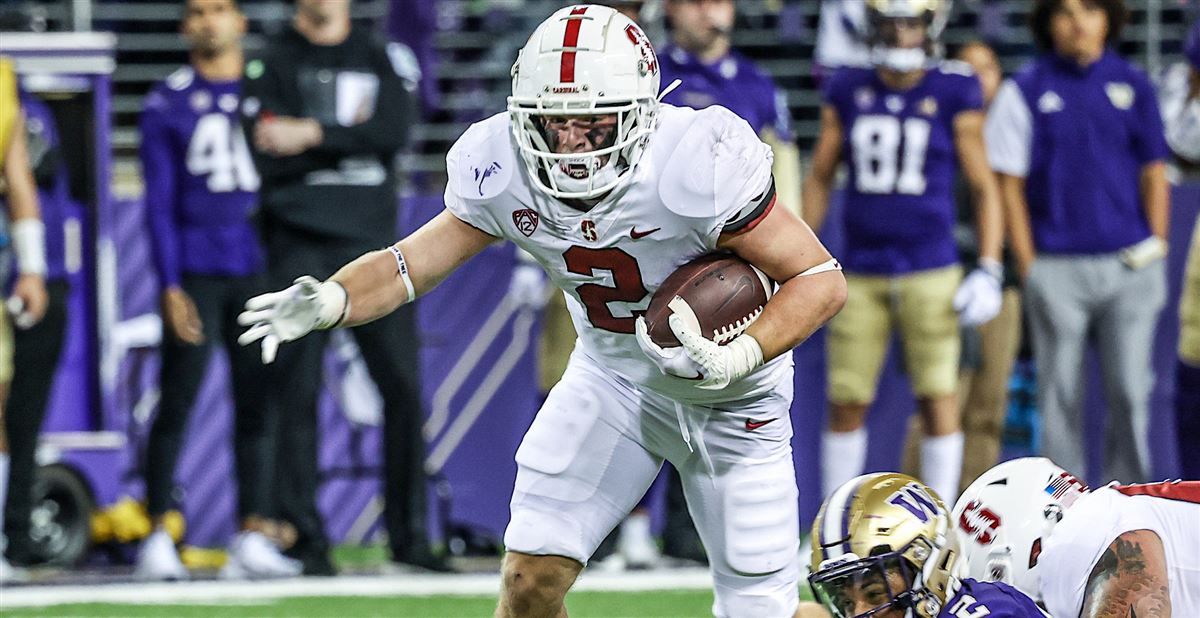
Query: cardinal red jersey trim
x=1183 y=491
x=566 y=71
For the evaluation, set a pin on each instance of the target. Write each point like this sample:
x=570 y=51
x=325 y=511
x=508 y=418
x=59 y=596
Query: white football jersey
x=1170 y=510
x=703 y=172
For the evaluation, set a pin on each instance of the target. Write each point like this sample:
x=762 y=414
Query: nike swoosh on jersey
x=752 y=424
x=634 y=234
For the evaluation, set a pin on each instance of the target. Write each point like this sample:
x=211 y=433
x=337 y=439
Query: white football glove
x=979 y=296
x=287 y=315
x=527 y=288
x=714 y=366
x=671 y=361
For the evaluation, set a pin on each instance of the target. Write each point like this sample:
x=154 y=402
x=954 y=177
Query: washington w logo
x=913 y=498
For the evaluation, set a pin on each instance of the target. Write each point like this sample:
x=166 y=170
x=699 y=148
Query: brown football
x=720 y=292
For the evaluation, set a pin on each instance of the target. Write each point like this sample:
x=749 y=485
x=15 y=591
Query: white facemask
x=904 y=60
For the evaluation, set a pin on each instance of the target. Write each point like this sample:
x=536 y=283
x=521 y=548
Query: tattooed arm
x=1129 y=580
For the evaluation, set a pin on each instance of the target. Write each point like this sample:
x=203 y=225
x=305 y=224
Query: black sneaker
x=423 y=557
x=316 y=563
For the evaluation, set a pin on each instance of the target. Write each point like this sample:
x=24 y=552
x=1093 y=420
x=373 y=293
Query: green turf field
x=664 y=604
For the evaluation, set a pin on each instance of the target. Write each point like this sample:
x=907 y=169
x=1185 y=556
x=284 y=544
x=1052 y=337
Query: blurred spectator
x=840 y=36
x=1180 y=98
x=414 y=23
x=629 y=8
x=328 y=107
x=713 y=73
x=36 y=349
x=906 y=127
x=988 y=350
x=26 y=303
x=1078 y=141
x=200 y=195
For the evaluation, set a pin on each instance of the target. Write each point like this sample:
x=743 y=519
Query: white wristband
x=746 y=355
x=29 y=245
x=402 y=270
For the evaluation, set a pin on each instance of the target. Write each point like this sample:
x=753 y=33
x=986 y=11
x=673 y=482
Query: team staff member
x=327 y=108
x=1078 y=141
x=26 y=303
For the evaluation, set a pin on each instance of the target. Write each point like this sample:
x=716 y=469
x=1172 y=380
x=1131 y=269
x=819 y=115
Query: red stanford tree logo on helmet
x=979 y=522
x=526 y=220
x=649 y=62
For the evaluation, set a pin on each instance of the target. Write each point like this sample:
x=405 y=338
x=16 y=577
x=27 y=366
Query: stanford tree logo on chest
x=588 y=228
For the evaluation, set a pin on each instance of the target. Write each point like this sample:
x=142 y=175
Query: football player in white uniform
x=1118 y=551
x=610 y=191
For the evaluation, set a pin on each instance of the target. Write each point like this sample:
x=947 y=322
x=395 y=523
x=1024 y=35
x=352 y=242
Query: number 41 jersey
x=704 y=173
x=899 y=147
x=201 y=185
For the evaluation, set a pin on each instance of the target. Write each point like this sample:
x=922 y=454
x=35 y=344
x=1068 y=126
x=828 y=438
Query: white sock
x=843 y=457
x=3 y=498
x=941 y=465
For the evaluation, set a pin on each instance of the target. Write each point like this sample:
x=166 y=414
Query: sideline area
x=250 y=592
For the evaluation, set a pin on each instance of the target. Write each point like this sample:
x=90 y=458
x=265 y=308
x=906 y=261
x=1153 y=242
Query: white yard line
x=224 y=592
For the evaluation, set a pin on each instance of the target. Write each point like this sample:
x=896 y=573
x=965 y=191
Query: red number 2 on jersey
x=627 y=285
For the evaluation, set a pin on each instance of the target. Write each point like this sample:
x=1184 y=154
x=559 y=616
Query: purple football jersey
x=993 y=599
x=732 y=82
x=899 y=147
x=201 y=185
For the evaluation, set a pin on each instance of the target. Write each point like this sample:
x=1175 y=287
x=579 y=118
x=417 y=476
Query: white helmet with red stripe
x=1000 y=521
x=585 y=61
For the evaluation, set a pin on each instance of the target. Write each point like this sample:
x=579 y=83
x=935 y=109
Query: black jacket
x=361 y=91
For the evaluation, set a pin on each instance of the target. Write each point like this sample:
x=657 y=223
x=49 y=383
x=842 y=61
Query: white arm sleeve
x=1181 y=117
x=1008 y=131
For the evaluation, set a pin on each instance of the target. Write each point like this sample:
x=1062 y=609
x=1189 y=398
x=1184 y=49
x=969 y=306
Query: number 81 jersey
x=900 y=151
x=704 y=173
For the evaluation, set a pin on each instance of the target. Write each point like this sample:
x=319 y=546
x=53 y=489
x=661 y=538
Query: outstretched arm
x=366 y=289
x=373 y=283
x=1129 y=580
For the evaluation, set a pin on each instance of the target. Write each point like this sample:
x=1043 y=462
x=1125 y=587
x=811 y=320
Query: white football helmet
x=1000 y=521
x=881 y=36
x=585 y=60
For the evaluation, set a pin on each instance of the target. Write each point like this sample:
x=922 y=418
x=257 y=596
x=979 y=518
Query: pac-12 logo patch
x=526 y=220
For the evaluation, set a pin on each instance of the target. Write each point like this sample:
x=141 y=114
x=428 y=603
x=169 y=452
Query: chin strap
x=669 y=89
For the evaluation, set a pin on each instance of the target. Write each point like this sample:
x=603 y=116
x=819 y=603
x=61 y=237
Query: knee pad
x=545 y=534
x=737 y=605
x=762 y=525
